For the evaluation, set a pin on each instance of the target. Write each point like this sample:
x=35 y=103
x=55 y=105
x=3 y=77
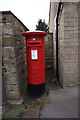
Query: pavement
x=61 y=103
x=58 y=103
x=32 y=112
x=12 y=112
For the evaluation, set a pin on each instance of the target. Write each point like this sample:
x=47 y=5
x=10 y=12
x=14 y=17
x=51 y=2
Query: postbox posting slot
x=36 y=43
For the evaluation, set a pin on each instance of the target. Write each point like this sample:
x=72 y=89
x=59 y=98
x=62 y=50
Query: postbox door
x=35 y=64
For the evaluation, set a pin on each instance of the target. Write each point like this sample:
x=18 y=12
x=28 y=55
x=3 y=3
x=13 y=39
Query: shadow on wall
x=49 y=50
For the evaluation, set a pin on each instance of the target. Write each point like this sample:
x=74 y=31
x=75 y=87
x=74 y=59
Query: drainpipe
x=58 y=12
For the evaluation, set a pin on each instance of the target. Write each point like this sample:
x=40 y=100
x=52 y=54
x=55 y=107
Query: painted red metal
x=35 y=57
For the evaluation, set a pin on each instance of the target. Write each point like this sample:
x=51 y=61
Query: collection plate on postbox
x=34 y=54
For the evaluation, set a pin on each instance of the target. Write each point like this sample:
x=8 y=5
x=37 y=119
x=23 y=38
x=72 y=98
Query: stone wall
x=68 y=44
x=49 y=50
x=0 y=68
x=52 y=29
x=79 y=43
x=70 y=54
x=52 y=15
x=13 y=56
x=61 y=44
x=20 y=53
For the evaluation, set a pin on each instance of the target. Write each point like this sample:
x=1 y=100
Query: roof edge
x=9 y=12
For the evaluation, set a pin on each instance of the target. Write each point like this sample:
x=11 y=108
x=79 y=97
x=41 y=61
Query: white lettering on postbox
x=34 y=54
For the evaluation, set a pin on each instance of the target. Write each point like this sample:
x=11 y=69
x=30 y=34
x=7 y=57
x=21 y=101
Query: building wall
x=52 y=15
x=70 y=56
x=20 y=53
x=68 y=44
x=79 y=43
x=61 y=45
x=13 y=58
x=1 y=66
x=52 y=29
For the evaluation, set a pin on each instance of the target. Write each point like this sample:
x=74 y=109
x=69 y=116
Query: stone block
x=11 y=69
x=66 y=44
x=73 y=44
x=7 y=29
x=10 y=78
x=70 y=79
x=75 y=35
x=8 y=18
x=0 y=29
x=8 y=61
x=8 y=88
x=12 y=87
x=73 y=56
x=0 y=17
x=66 y=67
x=13 y=95
x=73 y=24
x=8 y=41
x=65 y=25
x=71 y=28
x=70 y=8
x=4 y=69
x=66 y=15
x=9 y=52
x=70 y=50
x=73 y=15
x=73 y=66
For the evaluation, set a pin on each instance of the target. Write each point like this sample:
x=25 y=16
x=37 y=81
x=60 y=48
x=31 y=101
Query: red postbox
x=35 y=60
